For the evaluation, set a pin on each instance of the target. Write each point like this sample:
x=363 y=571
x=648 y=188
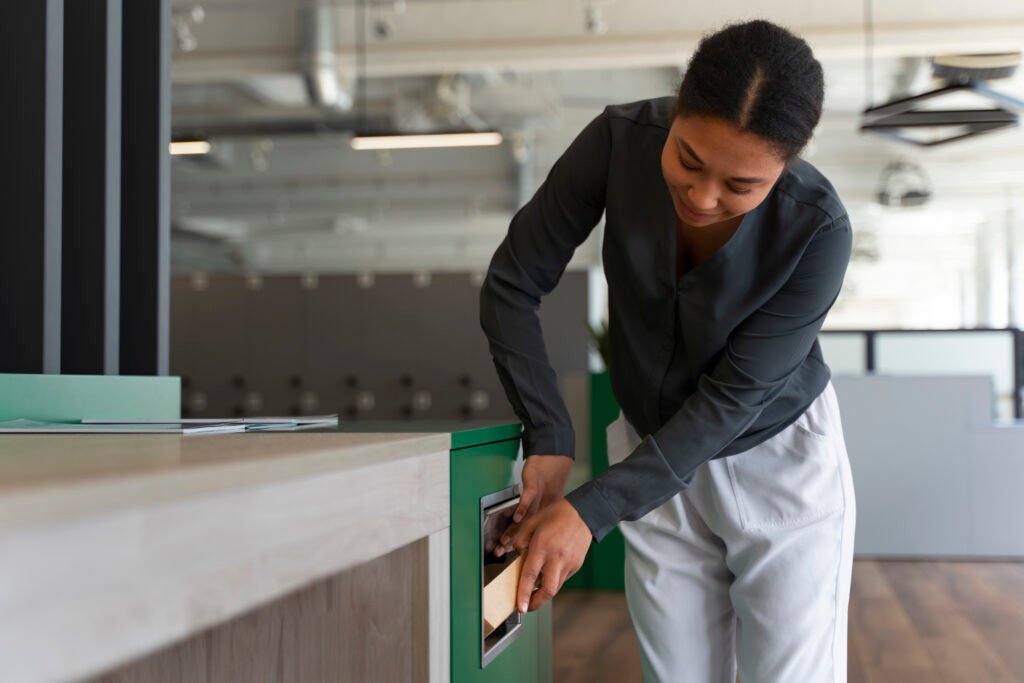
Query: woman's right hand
x=544 y=481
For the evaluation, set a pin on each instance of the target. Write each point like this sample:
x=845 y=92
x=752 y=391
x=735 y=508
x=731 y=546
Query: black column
x=145 y=187
x=92 y=188
x=1018 y=373
x=30 y=252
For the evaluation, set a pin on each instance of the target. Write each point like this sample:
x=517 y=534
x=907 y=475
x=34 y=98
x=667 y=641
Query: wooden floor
x=910 y=622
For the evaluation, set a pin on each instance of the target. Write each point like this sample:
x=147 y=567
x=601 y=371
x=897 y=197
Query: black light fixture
x=914 y=120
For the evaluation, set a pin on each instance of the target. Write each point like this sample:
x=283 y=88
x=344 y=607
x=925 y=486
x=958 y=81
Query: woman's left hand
x=554 y=543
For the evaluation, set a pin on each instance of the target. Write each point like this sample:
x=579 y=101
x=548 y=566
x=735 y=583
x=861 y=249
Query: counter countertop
x=115 y=545
x=44 y=478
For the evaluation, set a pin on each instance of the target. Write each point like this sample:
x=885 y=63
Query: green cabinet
x=482 y=462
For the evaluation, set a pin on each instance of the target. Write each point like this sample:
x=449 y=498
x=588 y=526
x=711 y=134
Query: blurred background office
x=312 y=275
x=321 y=259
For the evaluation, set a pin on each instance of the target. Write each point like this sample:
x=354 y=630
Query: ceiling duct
x=318 y=59
x=916 y=120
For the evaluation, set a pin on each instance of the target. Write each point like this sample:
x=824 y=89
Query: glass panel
x=951 y=353
x=845 y=352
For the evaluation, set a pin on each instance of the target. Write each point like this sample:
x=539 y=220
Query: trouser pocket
x=793 y=478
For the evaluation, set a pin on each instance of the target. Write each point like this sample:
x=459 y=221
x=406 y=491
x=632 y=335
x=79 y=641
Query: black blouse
x=705 y=366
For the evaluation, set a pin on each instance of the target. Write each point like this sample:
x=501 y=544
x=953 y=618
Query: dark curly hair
x=759 y=77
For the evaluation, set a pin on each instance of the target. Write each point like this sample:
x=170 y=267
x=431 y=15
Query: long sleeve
x=526 y=266
x=763 y=353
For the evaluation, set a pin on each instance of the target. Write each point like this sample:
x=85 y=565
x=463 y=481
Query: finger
x=532 y=567
x=523 y=537
x=550 y=582
x=515 y=525
x=503 y=545
x=517 y=536
x=530 y=494
x=508 y=535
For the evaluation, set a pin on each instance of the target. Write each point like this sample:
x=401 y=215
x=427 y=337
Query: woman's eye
x=734 y=190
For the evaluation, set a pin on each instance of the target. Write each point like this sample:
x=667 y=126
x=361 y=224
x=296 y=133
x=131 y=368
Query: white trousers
x=749 y=568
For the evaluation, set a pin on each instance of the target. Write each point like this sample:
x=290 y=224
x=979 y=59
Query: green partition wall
x=605 y=564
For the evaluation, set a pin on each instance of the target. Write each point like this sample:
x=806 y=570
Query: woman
x=723 y=253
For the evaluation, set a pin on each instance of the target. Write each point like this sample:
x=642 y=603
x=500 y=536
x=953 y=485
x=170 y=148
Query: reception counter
x=321 y=555
x=284 y=556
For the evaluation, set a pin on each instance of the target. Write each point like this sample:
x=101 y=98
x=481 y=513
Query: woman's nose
x=702 y=197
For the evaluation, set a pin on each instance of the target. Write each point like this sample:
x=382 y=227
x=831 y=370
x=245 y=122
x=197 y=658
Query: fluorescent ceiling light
x=190 y=147
x=428 y=140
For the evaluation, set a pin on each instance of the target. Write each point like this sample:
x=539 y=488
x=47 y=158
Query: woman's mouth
x=698 y=216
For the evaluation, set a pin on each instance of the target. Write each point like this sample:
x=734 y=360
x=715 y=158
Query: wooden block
x=500 y=596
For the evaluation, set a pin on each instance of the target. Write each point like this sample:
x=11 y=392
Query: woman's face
x=714 y=172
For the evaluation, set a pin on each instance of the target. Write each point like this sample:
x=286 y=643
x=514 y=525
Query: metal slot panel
x=495 y=516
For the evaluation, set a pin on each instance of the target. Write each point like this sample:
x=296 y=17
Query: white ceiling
x=531 y=69
x=430 y=37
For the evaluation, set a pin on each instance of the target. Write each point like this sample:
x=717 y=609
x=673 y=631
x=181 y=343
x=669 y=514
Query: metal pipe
x=317 y=57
